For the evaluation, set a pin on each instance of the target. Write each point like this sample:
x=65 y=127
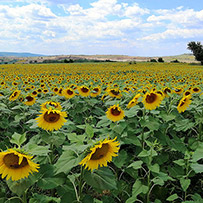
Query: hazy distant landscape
x=14 y=57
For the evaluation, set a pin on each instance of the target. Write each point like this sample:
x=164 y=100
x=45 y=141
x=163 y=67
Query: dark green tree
x=160 y=60
x=197 y=50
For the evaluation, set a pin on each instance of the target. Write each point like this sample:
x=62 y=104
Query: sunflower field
x=101 y=132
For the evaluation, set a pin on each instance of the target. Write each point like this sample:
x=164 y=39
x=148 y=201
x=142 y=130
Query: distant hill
x=15 y=54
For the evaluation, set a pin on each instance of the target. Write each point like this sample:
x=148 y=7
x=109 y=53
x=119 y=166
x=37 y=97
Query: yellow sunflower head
x=51 y=119
x=100 y=154
x=29 y=100
x=115 y=93
x=16 y=165
x=196 y=90
x=184 y=103
x=152 y=100
x=115 y=113
x=95 y=91
x=51 y=104
x=84 y=91
x=14 y=95
x=68 y=93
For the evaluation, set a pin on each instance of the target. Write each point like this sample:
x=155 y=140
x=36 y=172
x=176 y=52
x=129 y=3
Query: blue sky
x=124 y=27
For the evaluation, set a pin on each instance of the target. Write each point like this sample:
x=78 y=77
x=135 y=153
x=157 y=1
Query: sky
x=116 y=27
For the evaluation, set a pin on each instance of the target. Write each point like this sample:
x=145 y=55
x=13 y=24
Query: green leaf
x=19 y=187
x=101 y=179
x=132 y=112
x=180 y=162
x=172 y=197
x=154 y=168
x=43 y=198
x=73 y=137
x=136 y=164
x=104 y=122
x=120 y=160
x=35 y=149
x=89 y=130
x=185 y=183
x=66 y=162
x=198 y=154
x=18 y=139
x=51 y=182
x=137 y=189
x=183 y=125
x=198 y=168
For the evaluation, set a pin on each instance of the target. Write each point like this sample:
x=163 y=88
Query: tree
x=160 y=60
x=197 y=50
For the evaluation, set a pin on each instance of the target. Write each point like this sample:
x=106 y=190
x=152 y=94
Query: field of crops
x=101 y=132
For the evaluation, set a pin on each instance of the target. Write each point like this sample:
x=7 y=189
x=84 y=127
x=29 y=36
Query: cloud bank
x=105 y=27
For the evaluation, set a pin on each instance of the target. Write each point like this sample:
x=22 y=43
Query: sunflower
x=133 y=101
x=14 y=95
x=100 y=154
x=68 y=93
x=29 y=100
x=178 y=90
x=115 y=113
x=196 y=90
x=166 y=91
x=50 y=104
x=51 y=119
x=152 y=100
x=95 y=92
x=184 y=103
x=84 y=91
x=115 y=93
x=16 y=165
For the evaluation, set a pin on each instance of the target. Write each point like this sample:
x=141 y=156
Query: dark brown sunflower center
x=167 y=90
x=84 y=89
x=96 y=89
x=187 y=93
x=183 y=102
x=178 y=90
x=69 y=92
x=115 y=111
x=100 y=152
x=29 y=98
x=51 y=117
x=11 y=161
x=151 y=98
x=195 y=89
x=115 y=92
x=14 y=94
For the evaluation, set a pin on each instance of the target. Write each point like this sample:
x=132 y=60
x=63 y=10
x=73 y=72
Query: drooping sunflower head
x=184 y=103
x=84 y=91
x=68 y=93
x=29 y=100
x=152 y=100
x=51 y=119
x=100 y=154
x=95 y=91
x=14 y=95
x=178 y=90
x=115 y=93
x=133 y=101
x=16 y=165
x=115 y=113
x=51 y=104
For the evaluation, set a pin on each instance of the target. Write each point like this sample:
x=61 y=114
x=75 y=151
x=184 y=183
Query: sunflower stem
x=80 y=186
x=24 y=200
x=143 y=143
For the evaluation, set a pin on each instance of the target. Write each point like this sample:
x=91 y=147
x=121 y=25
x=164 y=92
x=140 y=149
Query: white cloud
x=174 y=34
x=105 y=23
